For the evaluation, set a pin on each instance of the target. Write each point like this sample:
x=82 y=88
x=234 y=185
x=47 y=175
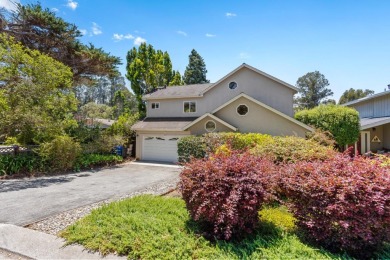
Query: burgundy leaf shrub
x=342 y=204
x=226 y=191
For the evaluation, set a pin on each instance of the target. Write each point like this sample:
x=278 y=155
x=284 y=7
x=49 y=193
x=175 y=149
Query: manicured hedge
x=293 y=149
x=342 y=122
x=281 y=149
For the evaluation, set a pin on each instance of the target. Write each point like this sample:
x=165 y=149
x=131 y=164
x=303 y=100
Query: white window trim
x=215 y=124
x=189 y=111
x=242 y=105
x=151 y=105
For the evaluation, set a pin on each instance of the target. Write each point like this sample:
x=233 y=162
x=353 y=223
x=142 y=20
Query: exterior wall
x=374 y=147
x=140 y=136
x=259 y=120
x=199 y=128
x=249 y=82
x=376 y=107
x=386 y=136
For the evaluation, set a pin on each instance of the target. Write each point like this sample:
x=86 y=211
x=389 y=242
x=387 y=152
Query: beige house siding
x=259 y=120
x=374 y=146
x=249 y=82
x=376 y=107
x=140 y=136
x=386 y=136
x=199 y=128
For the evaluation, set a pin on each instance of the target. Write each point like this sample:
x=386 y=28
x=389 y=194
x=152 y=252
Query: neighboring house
x=374 y=114
x=101 y=122
x=245 y=100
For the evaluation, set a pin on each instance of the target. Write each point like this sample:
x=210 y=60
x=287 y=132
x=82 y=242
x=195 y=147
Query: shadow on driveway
x=16 y=185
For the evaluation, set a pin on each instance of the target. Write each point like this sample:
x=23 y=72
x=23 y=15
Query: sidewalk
x=37 y=245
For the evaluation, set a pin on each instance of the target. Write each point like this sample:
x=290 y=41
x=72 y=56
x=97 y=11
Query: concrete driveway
x=25 y=201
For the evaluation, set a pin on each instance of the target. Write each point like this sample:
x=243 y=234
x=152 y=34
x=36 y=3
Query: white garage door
x=160 y=148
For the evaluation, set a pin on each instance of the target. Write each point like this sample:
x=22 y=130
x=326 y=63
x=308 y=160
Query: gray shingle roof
x=163 y=123
x=179 y=91
x=373 y=122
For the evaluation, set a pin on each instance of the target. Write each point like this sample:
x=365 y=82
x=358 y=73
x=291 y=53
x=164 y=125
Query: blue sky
x=347 y=41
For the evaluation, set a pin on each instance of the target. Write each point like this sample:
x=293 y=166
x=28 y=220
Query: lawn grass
x=153 y=227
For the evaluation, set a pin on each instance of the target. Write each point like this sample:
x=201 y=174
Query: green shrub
x=292 y=149
x=236 y=141
x=61 y=153
x=342 y=122
x=24 y=163
x=191 y=146
x=11 y=141
x=86 y=161
x=104 y=144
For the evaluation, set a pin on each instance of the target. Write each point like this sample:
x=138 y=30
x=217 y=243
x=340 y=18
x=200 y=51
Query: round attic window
x=210 y=126
x=242 y=110
x=232 y=85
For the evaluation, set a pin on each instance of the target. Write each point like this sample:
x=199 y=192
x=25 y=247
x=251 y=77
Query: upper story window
x=233 y=85
x=189 y=106
x=155 y=105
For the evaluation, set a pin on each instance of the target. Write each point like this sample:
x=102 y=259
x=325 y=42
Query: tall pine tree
x=195 y=72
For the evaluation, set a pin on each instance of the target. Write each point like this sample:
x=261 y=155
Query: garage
x=160 y=148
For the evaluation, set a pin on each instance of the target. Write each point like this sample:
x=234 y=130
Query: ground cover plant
x=153 y=227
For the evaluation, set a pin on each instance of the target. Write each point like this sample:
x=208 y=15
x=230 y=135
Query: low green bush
x=191 y=147
x=90 y=160
x=24 y=163
x=61 y=153
x=293 y=149
x=236 y=141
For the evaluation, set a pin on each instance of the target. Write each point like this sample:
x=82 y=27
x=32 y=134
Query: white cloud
x=83 y=31
x=139 y=40
x=72 y=4
x=230 y=15
x=182 y=33
x=119 y=37
x=9 y=5
x=210 y=35
x=244 y=55
x=96 y=29
x=53 y=9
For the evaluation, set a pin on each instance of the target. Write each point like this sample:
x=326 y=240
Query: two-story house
x=245 y=100
x=374 y=112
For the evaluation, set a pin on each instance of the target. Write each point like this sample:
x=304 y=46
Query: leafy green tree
x=177 y=79
x=146 y=70
x=312 y=90
x=36 y=92
x=93 y=110
x=353 y=94
x=122 y=127
x=342 y=122
x=196 y=71
x=124 y=103
x=40 y=29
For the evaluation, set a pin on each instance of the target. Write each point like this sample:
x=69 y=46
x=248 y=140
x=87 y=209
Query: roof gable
x=262 y=73
x=266 y=107
x=212 y=117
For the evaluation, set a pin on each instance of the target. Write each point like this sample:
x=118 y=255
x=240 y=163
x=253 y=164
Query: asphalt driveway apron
x=25 y=201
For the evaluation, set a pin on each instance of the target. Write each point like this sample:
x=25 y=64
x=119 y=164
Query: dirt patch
x=173 y=193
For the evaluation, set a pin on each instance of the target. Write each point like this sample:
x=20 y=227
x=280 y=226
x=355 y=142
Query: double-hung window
x=189 y=106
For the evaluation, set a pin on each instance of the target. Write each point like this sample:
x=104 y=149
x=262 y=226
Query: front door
x=365 y=141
